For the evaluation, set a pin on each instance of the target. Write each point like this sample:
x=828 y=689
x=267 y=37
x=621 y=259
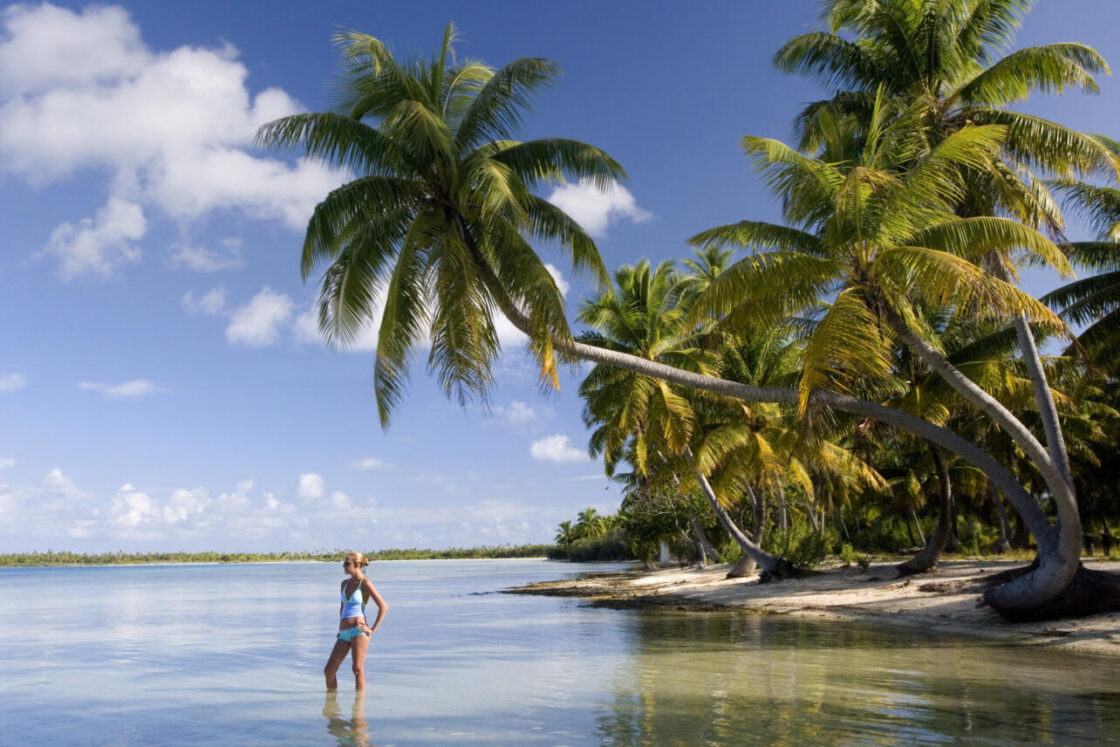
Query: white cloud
x=558 y=276
x=340 y=500
x=6 y=462
x=134 y=388
x=200 y=259
x=211 y=304
x=131 y=508
x=101 y=244
x=516 y=413
x=370 y=463
x=185 y=504
x=594 y=209
x=258 y=322
x=556 y=449
x=311 y=486
x=170 y=129
x=11 y=382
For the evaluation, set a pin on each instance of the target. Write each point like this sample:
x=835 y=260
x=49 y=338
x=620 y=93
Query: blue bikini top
x=354 y=605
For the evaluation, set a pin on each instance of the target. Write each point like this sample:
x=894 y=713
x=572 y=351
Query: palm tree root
x=1091 y=592
x=782 y=569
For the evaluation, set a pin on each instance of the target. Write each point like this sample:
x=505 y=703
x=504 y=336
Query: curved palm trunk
x=773 y=567
x=747 y=565
x=1033 y=589
x=703 y=543
x=1059 y=548
x=927 y=559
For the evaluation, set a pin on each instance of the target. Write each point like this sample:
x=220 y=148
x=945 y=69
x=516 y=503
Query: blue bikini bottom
x=350 y=634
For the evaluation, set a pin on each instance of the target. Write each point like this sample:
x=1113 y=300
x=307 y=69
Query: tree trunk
x=783 y=515
x=773 y=567
x=747 y=565
x=928 y=557
x=705 y=545
x=1004 y=543
x=758 y=503
x=1035 y=587
x=1059 y=547
x=918 y=526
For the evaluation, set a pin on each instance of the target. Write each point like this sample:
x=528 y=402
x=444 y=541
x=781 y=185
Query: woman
x=353 y=630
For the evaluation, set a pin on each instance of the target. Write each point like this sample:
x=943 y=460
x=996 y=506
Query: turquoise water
x=232 y=655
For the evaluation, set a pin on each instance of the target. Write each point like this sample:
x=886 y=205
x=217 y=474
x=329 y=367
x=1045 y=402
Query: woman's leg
x=338 y=655
x=358 y=660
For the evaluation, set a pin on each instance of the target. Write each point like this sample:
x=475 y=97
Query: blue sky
x=161 y=385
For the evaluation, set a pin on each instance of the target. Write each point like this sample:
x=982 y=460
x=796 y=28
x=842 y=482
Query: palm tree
x=590 y=524
x=1094 y=301
x=874 y=230
x=439 y=218
x=947 y=56
x=647 y=421
x=567 y=534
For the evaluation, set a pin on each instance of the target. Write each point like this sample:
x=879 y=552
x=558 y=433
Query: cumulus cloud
x=131 y=508
x=212 y=303
x=11 y=382
x=98 y=245
x=200 y=259
x=556 y=449
x=370 y=463
x=595 y=209
x=516 y=413
x=558 y=276
x=171 y=129
x=134 y=388
x=258 y=322
x=184 y=504
x=340 y=500
x=6 y=462
x=311 y=486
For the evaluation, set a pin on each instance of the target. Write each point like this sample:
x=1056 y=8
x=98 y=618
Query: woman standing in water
x=353 y=630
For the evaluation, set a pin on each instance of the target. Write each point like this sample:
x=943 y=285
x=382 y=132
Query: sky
x=163 y=385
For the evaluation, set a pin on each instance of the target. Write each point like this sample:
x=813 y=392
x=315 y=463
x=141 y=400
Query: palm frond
x=495 y=113
x=1047 y=69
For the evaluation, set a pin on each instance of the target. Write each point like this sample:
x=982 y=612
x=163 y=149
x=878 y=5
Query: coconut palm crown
x=436 y=222
x=950 y=57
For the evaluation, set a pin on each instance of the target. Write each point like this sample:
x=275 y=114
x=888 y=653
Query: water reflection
x=352 y=732
x=729 y=678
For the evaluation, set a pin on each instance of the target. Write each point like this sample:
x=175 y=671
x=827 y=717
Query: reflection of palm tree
x=349 y=733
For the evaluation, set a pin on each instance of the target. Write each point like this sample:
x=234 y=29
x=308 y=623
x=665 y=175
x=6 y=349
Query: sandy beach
x=944 y=600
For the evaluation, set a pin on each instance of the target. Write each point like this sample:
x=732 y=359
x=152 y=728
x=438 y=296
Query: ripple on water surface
x=233 y=655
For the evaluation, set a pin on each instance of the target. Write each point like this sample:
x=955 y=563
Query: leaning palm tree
x=949 y=58
x=438 y=220
x=873 y=231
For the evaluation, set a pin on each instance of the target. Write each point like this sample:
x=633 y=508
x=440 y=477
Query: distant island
x=52 y=558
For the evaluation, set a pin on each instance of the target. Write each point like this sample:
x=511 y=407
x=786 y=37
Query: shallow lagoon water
x=232 y=655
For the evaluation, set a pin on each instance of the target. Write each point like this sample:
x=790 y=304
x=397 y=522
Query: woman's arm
x=382 y=606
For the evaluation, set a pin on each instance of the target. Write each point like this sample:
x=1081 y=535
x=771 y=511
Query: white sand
x=947 y=603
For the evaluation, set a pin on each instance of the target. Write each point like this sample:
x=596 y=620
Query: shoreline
x=247 y=562
x=944 y=600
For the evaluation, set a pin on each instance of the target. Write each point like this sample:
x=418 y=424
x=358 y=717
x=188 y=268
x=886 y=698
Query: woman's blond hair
x=358 y=558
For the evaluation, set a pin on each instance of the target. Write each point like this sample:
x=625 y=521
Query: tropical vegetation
x=866 y=363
